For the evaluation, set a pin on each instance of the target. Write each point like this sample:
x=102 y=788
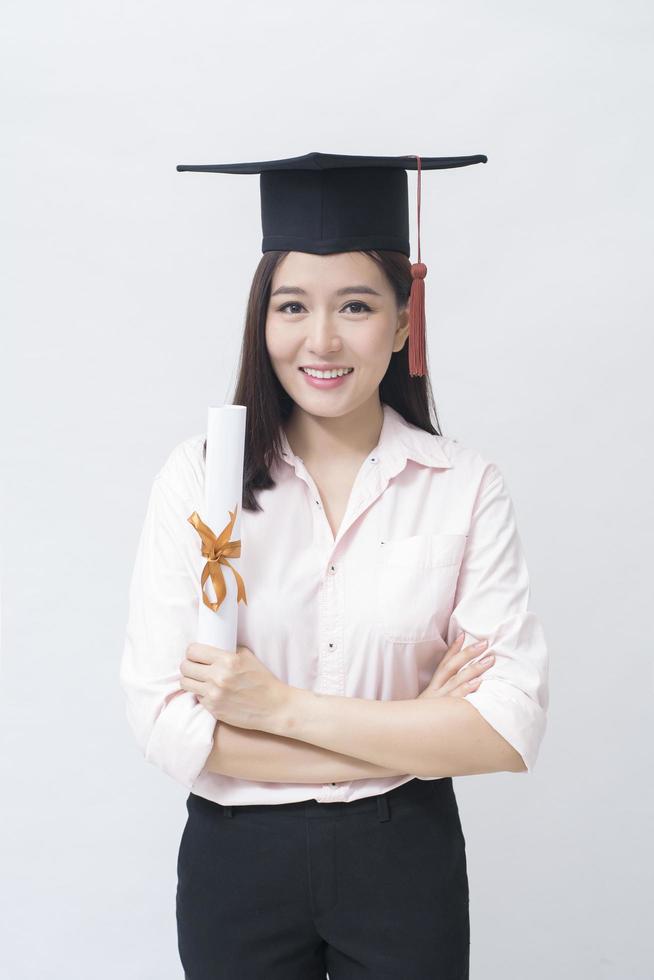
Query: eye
x=282 y=309
x=365 y=307
x=356 y=302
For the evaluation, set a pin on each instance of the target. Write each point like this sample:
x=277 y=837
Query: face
x=329 y=311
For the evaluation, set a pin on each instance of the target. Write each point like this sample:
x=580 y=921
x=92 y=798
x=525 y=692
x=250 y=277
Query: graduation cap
x=326 y=202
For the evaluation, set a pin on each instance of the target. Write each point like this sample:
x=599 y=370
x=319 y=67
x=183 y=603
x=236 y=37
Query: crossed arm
x=315 y=735
x=264 y=757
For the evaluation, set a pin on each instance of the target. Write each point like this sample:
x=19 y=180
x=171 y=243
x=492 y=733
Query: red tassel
x=417 y=319
x=417 y=356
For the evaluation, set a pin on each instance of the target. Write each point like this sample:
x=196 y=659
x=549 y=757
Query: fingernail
x=460 y=635
x=479 y=645
x=488 y=659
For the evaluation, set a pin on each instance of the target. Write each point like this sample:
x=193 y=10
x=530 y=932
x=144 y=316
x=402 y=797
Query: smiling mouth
x=327 y=373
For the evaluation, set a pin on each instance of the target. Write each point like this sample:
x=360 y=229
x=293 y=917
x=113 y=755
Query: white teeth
x=327 y=374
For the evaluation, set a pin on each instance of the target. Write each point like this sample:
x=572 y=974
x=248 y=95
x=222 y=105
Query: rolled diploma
x=223 y=491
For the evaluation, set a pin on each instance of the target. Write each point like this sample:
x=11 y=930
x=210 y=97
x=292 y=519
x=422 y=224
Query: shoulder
x=468 y=464
x=182 y=471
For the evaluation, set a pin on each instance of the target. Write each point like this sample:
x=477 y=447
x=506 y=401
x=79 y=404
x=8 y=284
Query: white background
x=124 y=286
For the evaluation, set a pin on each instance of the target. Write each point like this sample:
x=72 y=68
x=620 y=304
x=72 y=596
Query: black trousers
x=376 y=888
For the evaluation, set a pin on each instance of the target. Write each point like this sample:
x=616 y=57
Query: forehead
x=326 y=272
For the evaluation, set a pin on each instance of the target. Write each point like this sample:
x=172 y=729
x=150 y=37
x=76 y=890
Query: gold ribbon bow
x=217 y=550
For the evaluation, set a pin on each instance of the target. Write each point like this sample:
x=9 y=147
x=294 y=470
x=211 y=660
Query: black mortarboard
x=325 y=202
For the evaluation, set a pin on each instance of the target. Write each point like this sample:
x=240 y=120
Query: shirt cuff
x=182 y=739
x=517 y=717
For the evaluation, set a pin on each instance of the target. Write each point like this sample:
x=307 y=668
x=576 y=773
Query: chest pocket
x=416 y=583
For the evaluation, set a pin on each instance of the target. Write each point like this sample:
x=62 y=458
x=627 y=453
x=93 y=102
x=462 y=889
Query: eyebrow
x=339 y=292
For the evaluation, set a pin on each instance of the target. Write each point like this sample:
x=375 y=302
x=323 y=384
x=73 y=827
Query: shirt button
x=332 y=568
x=332 y=645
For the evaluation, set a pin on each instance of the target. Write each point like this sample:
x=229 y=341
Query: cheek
x=281 y=346
x=373 y=347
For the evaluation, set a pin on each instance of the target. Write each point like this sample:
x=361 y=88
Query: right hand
x=446 y=680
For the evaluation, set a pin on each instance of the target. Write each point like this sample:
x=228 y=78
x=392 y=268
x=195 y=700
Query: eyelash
x=354 y=302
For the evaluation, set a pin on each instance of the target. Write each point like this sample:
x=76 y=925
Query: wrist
x=294 y=705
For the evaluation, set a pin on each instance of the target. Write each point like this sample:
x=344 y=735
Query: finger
x=203 y=653
x=470 y=677
x=455 y=645
x=470 y=652
x=196 y=687
x=194 y=670
x=452 y=650
x=451 y=664
x=467 y=677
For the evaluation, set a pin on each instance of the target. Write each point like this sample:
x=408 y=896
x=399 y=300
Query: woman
x=323 y=831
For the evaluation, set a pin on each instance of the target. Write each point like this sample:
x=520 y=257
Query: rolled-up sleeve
x=491 y=602
x=173 y=730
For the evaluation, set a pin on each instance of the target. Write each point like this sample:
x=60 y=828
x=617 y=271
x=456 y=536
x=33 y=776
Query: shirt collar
x=398 y=441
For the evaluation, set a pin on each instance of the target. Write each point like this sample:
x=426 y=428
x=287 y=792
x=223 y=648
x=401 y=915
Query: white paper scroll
x=223 y=491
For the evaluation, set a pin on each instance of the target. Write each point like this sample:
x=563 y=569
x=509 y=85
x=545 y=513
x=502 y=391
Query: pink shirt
x=428 y=546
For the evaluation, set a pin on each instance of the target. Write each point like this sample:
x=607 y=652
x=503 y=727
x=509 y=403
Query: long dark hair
x=269 y=405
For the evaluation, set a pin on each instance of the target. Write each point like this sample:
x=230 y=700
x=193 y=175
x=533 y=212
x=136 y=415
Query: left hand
x=234 y=686
x=452 y=678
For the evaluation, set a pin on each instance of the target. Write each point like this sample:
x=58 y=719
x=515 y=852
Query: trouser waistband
x=412 y=789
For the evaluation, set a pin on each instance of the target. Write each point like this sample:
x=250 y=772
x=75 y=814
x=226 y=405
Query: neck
x=316 y=438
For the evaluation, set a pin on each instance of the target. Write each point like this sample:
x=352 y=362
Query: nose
x=322 y=337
